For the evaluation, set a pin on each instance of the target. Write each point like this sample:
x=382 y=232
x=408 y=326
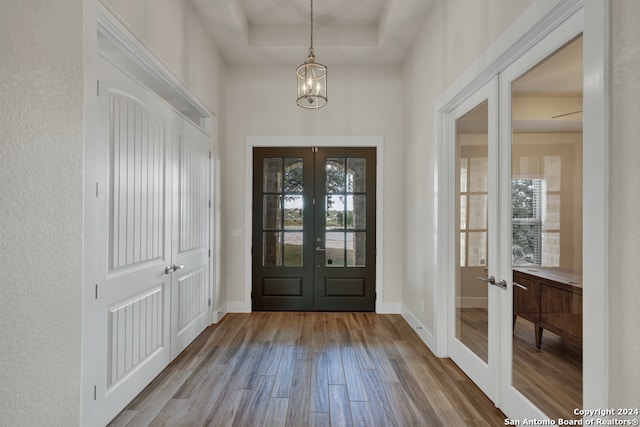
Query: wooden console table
x=550 y=298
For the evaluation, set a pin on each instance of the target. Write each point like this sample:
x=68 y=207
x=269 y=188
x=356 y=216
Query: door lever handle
x=319 y=249
x=174 y=267
x=492 y=281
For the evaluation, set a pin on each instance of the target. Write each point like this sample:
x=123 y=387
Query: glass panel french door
x=472 y=300
x=345 y=229
x=515 y=232
x=542 y=169
x=314 y=229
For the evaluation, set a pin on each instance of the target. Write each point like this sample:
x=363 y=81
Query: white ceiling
x=276 y=32
x=345 y=31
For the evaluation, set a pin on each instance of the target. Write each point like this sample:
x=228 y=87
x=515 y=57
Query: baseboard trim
x=425 y=335
x=238 y=307
x=389 y=308
x=473 y=302
x=219 y=313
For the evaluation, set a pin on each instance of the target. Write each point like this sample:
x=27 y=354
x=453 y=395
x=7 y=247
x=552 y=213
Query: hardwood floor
x=310 y=369
x=551 y=378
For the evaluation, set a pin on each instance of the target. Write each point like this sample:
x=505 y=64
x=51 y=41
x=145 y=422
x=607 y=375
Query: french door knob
x=492 y=281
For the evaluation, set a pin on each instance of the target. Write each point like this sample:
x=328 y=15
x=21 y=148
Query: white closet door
x=190 y=243
x=134 y=240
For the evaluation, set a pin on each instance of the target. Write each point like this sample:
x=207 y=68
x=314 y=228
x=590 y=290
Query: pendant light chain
x=311 y=18
x=311 y=77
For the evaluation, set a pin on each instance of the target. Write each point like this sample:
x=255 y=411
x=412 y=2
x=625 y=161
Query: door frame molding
x=377 y=142
x=539 y=20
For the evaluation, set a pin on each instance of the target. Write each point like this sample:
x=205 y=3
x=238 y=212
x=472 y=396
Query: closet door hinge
x=209 y=204
x=97 y=87
x=96 y=189
x=209 y=302
x=209 y=253
x=209 y=154
x=96 y=291
x=95 y=392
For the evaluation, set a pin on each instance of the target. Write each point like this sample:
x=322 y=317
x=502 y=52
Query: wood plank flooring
x=310 y=369
x=551 y=378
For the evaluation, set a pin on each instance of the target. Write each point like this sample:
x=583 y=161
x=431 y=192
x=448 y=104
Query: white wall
x=41 y=202
x=455 y=34
x=363 y=101
x=624 y=207
x=41 y=83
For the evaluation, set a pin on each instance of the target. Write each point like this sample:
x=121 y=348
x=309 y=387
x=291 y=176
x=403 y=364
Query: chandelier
x=312 y=79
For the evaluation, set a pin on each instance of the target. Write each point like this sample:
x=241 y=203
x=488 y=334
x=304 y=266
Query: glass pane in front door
x=282 y=225
x=546 y=190
x=345 y=229
x=472 y=231
x=314 y=229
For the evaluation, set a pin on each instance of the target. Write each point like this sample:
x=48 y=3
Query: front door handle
x=319 y=249
x=492 y=281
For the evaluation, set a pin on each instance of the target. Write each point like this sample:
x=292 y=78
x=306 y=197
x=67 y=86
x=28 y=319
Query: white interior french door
x=511 y=399
x=152 y=238
x=473 y=259
x=478 y=161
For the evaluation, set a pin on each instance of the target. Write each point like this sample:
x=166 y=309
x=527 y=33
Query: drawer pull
x=520 y=286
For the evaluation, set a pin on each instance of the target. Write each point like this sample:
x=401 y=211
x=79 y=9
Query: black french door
x=314 y=229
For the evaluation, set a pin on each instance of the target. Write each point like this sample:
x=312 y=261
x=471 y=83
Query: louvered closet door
x=190 y=248
x=134 y=241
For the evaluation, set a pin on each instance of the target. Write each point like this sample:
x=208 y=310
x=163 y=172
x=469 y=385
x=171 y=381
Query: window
x=473 y=211
x=527 y=221
x=536 y=216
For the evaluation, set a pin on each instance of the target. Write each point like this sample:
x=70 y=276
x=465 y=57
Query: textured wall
x=40 y=211
x=455 y=34
x=624 y=208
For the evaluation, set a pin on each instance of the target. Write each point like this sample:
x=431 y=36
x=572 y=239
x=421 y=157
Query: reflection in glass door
x=546 y=187
x=472 y=315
